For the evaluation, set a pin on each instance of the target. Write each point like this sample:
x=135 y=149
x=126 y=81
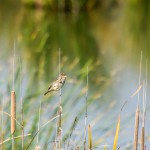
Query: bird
x=57 y=84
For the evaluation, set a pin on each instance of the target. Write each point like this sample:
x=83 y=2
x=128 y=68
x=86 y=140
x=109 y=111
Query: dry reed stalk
x=60 y=109
x=143 y=119
x=59 y=121
x=10 y=117
x=59 y=127
x=90 y=137
x=9 y=139
x=143 y=139
x=117 y=134
x=144 y=112
x=22 y=115
x=86 y=113
x=13 y=112
x=140 y=77
x=136 y=128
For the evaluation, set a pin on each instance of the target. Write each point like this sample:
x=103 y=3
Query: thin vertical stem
x=86 y=114
x=13 y=142
x=60 y=109
x=145 y=90
x=13 y=87
x=14 y=67
x=39 y=122
x=22 y=113
x=140 y=77
x=143 y=104
x=143 y=120
x=136 y=128
x=56 y=136
x=2 y=124
x=144 y=112
x=22 y=138
x=59 y=74
x=145 y=94
x=87 y=82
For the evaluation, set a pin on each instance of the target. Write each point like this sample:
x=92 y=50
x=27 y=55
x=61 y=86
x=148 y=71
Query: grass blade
x=117 y=134
x=90 y=137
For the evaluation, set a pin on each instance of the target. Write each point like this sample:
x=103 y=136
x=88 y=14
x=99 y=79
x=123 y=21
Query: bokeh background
x=107 y=36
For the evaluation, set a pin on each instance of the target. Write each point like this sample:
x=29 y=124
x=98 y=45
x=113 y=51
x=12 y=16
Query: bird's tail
x=46 y=92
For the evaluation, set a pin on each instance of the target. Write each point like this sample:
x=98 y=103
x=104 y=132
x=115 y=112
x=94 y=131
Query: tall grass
x=144 y=112
x=136 y=128
x=58 y=143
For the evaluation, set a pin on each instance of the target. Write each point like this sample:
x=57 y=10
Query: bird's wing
x=53 y=84
x=56 y=85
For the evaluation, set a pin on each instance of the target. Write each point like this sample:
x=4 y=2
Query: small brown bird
x=57 y=84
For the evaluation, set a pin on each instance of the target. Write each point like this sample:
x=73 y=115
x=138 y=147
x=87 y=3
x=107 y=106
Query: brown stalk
x=13 y=112
x=142 y=138
x=136 y=128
